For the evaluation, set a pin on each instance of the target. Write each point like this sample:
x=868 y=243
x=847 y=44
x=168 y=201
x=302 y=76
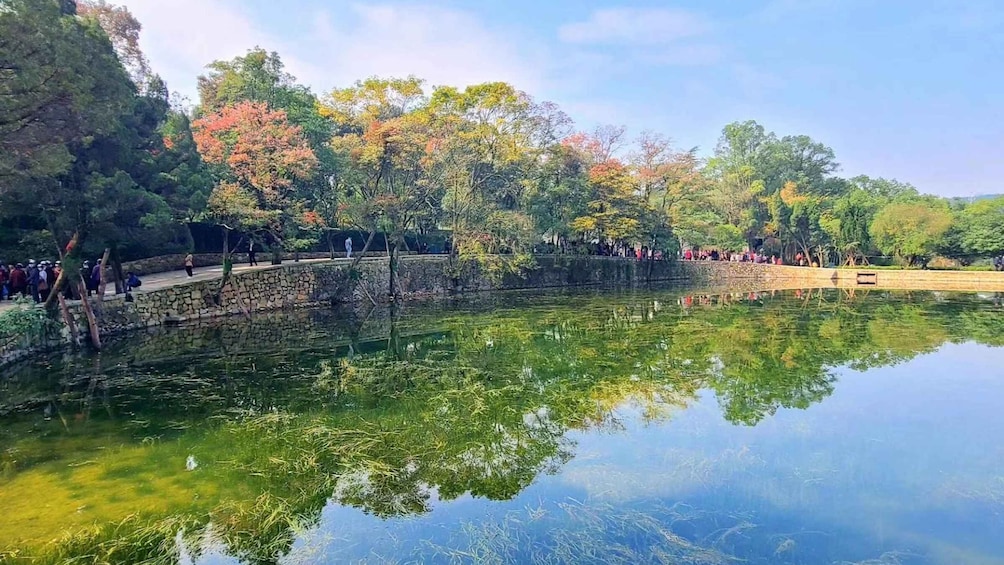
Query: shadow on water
x=239 y=438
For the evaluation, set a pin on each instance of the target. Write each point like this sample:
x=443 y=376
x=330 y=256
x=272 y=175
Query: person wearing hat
x=32 y=279
x=85 y=275
x=42 y=286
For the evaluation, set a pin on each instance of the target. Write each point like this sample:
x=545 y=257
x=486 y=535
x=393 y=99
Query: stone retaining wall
x=165 y=263
x=302 y=284
x=295 y=285
x=788 y=277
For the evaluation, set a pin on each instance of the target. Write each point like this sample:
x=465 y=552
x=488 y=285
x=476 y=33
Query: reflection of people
x=348 y=247
x=189 y=263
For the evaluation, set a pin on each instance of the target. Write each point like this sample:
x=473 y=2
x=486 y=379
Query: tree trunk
x=63 y=279
x=651 y=260
x=366 y=247
x=117 y=270
x=331 y=244
x=92 y=322
x=392 y=251
x=68 y=319
x=228 y=266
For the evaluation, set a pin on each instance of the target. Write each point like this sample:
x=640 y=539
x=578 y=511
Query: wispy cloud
x=181 y=37
x=635 y=26
x=441 y=45
x=684 y=55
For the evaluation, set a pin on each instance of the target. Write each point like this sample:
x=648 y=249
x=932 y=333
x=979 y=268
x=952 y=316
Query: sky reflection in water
x=590 y=427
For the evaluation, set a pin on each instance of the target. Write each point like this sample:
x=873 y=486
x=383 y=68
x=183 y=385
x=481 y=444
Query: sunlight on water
x=594 y=427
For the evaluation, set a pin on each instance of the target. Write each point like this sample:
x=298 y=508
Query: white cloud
x=440 y=45
x=635 y=26
x=182 y=36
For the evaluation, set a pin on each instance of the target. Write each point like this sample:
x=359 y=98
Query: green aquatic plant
x=430 y=407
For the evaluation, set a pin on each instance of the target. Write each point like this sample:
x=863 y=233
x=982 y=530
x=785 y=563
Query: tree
x=671 y=184
x=738 y=170
x=886 y=189
x=911 y=230
x=259 y=76
x=848 y=225
x=560 y=193
x=59 y=86
x=259 y=155
x=484 y=148
x=183 y=182
x=381 y=144
x=123 y=30
x=615 y=209
x=981 y=225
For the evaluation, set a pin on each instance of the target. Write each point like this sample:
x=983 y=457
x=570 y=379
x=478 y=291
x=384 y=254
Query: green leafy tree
x=981 y=227
x=911 y=230
x=486 y=146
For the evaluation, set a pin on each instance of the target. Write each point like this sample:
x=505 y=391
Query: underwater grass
x=482 y=408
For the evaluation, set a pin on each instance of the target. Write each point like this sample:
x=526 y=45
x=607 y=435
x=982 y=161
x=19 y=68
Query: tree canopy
x=94 y=150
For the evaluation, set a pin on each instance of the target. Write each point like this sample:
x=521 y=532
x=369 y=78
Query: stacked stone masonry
x=304 y=284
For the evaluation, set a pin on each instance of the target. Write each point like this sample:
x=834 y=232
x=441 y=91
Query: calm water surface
x=596 y=427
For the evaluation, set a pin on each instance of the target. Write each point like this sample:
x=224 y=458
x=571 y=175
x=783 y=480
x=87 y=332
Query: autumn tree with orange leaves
x=258 y=158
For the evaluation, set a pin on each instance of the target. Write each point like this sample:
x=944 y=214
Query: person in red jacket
x=19 y=281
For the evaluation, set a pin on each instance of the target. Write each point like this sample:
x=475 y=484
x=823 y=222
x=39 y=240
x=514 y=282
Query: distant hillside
x=970 y=199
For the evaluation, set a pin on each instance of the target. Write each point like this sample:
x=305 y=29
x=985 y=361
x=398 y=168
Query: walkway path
x=173 y=278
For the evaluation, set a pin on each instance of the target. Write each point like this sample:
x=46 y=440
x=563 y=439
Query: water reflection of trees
x=481 y=405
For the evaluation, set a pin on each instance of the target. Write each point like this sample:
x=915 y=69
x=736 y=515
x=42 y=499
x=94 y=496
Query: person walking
x=252 y=261
x=95 y=279
x=4 y=281
x=348 y=248
x=189 y=263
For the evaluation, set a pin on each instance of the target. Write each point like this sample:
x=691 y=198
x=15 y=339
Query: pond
x=599 y=426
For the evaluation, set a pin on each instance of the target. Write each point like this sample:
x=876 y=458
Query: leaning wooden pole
x=92 y=322
x=68 y=319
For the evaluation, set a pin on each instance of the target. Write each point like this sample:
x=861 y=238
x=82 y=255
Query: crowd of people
x=36 y=280
x=744 y=257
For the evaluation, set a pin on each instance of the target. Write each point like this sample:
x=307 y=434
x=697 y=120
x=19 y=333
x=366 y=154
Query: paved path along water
x=173 y=278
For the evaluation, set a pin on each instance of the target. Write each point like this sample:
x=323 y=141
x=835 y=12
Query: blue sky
x=902 y=89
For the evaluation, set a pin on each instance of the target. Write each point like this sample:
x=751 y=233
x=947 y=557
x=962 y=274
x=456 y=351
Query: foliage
x=123 y=30
x=911 y=230
x=259 y=157
x=476 y=403
x=92 y=148
x=982 y=228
